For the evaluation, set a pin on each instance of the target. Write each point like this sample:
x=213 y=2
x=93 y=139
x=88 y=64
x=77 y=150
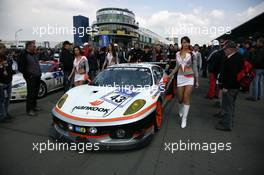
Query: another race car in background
x=51 y=79
x=121 y=109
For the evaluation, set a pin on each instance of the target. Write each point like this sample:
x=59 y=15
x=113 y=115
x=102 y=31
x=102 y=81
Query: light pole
x=19 y=30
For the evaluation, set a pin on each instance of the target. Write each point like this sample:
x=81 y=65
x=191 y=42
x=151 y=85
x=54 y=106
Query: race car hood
x=93 y=102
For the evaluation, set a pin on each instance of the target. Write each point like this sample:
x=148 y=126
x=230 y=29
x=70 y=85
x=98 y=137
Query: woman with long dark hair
x=187 y=77
x=111 y=57
x=80 y=67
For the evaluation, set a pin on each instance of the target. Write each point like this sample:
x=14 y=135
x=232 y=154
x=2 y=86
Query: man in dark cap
x=232 y=65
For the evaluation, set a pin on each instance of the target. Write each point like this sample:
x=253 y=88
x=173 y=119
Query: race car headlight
x=19 y=85
x=135 y=106
x=62 y=100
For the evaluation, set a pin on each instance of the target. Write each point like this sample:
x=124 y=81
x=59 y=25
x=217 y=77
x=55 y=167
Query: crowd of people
x=225 y=61
x=221 y=62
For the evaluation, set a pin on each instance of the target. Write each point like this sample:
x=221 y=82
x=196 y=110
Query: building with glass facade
x=119 y=25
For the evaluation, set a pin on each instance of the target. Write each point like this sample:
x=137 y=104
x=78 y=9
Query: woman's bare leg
x=187 y=94
x=180 y=92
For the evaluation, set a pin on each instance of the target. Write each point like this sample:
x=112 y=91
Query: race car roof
x=140 y=65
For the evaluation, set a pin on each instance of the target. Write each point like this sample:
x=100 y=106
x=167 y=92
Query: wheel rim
x=41 y=90
x=158 y=114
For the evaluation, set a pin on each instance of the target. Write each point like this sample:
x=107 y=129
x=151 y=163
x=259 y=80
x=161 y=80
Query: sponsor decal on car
x=91 y=108
x=96 y=102
x=80 y=129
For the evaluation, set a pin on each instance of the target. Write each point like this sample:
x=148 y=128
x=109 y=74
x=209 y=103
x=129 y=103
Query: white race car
x=51 y=79
x=121 y=109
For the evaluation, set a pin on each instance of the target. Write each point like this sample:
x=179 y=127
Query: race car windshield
x=45 y=67
x=137 y=77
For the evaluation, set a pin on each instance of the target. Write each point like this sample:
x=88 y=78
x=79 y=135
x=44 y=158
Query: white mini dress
x=186 y=78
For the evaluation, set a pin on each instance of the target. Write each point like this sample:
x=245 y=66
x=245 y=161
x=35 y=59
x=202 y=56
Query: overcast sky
x=165 y=17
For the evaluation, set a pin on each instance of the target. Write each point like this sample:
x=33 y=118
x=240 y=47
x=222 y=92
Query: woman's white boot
x=184 y=116
x=180 y=108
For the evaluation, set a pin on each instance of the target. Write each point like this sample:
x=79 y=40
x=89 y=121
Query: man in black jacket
x=204 y=53
x=93 y=62
x=28 y=65
x=66 y=60
x=135 y=54
x=147 y=54
x=232 y=65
